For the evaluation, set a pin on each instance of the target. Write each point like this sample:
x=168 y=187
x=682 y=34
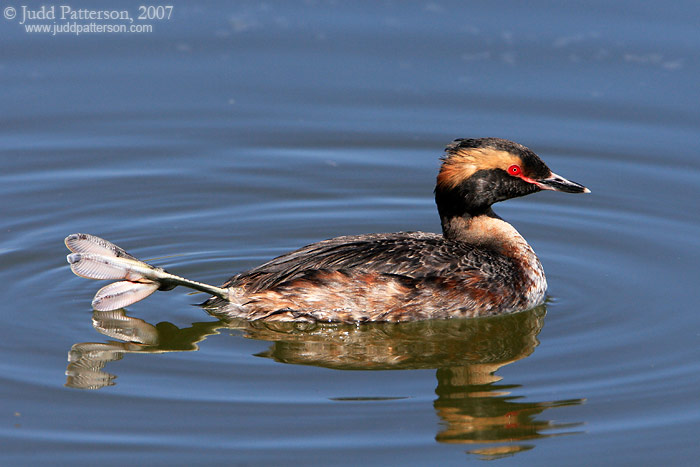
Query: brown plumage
x=479 y=266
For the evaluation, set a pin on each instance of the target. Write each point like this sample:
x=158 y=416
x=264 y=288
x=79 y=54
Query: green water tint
x=472 y=407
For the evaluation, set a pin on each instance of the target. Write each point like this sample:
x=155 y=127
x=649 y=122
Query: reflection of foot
x=117 y=325
x=85 y=362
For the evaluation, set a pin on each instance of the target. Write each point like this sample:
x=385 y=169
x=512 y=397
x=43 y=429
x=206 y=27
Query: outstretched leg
x=96 y=258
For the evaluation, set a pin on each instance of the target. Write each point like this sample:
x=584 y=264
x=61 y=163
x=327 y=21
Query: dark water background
x=236 y=131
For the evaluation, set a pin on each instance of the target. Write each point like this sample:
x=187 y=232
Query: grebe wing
x=411 y=254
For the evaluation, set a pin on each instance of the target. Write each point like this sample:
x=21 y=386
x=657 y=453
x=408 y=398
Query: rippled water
x=236 y=132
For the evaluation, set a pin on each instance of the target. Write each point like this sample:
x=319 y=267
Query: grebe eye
x=514 y=170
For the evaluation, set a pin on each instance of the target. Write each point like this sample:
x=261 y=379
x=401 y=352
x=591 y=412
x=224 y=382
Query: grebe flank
x=479 y=266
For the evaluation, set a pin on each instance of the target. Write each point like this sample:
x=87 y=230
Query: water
x=236 y=132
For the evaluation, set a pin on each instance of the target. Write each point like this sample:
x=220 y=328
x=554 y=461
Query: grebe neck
x=487 y=230
x=490 y=232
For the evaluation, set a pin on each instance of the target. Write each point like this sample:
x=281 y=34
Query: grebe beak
x=556 y=183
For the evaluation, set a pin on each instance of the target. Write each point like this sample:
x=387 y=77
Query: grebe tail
x=96 y=258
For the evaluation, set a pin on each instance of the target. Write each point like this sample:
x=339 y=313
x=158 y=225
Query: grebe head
x=476 y=173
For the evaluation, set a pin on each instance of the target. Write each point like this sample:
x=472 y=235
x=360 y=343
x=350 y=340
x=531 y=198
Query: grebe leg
x=96 y=258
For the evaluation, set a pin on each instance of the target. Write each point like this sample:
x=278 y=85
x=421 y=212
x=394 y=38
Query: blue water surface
x=237 y=131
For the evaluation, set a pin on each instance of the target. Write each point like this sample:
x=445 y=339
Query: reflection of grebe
x=479 y=266
x=473 y=407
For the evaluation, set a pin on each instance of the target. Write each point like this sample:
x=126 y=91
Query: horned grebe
x=479 y=266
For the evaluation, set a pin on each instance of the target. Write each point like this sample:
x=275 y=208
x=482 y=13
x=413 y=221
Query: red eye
x=514 y=170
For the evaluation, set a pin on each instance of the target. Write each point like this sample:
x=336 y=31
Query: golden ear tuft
x=462 y=163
